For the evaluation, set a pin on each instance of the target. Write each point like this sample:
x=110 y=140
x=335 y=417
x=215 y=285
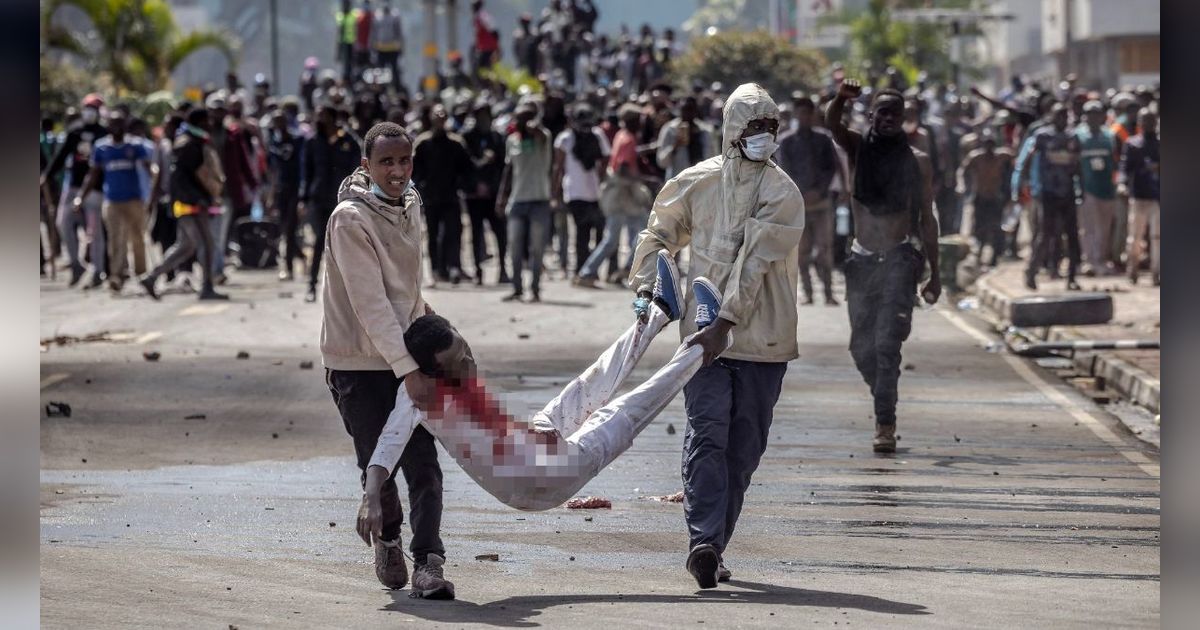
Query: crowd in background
x=564 y=170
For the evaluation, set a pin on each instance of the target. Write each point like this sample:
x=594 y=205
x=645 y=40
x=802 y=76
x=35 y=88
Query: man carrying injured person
x=540 y=463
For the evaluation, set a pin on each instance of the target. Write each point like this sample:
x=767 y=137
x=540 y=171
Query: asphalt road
x=1012 y=502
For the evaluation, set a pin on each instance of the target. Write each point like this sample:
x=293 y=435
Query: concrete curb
x=1130 y=381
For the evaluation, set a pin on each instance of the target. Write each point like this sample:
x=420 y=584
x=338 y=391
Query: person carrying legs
x=743 y=218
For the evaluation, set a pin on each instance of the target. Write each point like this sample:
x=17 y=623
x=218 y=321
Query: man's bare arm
x=847 y=138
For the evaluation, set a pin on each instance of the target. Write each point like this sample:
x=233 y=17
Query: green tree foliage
x=726 y=15
x=135 y=44
x=735 y=57
x=877 y=40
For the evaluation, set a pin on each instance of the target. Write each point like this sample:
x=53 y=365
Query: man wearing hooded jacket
x=743 y=217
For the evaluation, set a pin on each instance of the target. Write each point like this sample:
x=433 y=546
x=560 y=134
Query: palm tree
x=135 y=42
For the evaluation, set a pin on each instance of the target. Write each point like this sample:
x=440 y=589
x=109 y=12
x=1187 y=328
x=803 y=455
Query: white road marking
x=203 y=309
x=1070 y=406
x=148 y=337
x=54 y=378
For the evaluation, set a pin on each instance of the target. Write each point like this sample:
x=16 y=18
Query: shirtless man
x=984 y=173
x=895 y=233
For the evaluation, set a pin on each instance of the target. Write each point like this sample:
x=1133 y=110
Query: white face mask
x=89 y=115
x=759 y=147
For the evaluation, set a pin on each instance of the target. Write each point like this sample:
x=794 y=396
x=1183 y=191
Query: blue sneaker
x=708 y=301
x=666 y=286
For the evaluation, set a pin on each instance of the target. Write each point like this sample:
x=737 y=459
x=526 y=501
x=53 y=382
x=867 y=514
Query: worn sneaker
x=389 y=563
x=703 y=563
x=429 y=581
x=708 y=301
x=885 y=438
x=666 y=286
x=723 y=574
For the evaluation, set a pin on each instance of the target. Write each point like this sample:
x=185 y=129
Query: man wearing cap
x=742 y=218
x=75 y=153
x=1097 y=168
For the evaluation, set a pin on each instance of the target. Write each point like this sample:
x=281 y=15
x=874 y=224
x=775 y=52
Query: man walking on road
x=371 y=294
x=525 y=198
x=984 y=174
x=441 y=168
x=330 y=155
x=743 y=218
x=1140 y=181
x=74 y=153
x=895 y=233
x=1051 y=155
x=196 y=185
x=1097 y=169
x=808 y=157
x=114 y=162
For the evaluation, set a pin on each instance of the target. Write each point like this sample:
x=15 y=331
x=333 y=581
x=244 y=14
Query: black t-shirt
x=77 y=147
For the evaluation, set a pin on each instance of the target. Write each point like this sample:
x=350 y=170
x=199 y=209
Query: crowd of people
x=604 y=157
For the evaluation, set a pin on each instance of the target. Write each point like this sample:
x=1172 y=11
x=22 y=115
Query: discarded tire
x=1061 y=310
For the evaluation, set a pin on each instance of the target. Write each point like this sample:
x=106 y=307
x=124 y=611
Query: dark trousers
x=816 y=246
x=949 y=210
x=364 y=399
x=319 y=213
x=443 y=222
x=589 y=228
x=346 y=53
x=193 y=241
x=989 y=213
x=483 y=211
x=729 y=405
x=390 y=59
x=1058 y=219
x=881 y=291
x=287 y=202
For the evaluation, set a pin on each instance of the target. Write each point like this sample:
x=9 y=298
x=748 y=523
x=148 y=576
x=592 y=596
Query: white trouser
x=538 y=465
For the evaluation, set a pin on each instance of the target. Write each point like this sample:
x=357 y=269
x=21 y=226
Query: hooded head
x=749 y=102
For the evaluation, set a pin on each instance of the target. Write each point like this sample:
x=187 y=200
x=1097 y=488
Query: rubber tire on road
x=1072 y=309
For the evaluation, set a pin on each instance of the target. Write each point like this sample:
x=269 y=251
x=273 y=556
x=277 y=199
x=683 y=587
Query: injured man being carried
x=541 y=463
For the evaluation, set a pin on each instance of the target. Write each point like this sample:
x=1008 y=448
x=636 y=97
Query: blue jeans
x=611 y=243
x=528 y=231
x=729 y=406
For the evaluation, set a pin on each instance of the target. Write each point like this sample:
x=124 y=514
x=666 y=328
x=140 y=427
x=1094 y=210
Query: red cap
x=93 y=100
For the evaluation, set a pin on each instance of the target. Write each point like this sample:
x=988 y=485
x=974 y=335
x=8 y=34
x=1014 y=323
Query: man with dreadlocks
x=895 y=233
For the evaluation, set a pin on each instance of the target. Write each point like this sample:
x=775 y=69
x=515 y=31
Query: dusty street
x=203 y=490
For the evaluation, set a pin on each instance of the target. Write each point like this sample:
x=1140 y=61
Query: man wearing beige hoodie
x=742 y=217
x=371 y=294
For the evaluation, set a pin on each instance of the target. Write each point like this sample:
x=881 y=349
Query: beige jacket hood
x=742 y=220
x=372 y=279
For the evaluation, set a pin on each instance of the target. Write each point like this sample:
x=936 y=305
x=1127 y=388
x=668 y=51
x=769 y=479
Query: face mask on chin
x=759 y=147
x=378 y=192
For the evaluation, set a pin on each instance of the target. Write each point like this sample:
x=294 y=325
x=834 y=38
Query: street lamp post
x=430 y=50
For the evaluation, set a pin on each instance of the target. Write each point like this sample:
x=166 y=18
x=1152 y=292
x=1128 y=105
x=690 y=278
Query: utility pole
x=430 y=50
x=274 y=47
x=451 y=27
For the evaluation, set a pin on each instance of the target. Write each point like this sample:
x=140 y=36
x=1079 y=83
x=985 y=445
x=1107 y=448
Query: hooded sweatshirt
x=743 y=221
x=372 y=289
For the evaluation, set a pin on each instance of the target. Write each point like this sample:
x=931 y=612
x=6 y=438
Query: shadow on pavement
x=518 y=612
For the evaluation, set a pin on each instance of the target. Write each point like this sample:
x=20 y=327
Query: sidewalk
x=1133 y=373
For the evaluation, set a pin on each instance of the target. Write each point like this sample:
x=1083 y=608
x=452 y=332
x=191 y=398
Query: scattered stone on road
x=151 y=355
